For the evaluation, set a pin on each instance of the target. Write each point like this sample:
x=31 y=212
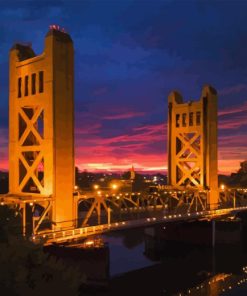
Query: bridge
x=41 y=157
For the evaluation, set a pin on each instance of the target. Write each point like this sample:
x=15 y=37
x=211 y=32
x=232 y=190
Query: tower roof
x=59 y=33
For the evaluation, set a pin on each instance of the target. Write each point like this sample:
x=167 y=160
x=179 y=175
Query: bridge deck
x=83 y=232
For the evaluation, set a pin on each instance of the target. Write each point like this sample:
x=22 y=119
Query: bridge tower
x=192 y=143
x=41 y=127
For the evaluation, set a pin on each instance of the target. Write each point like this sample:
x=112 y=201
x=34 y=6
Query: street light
x=96 y=186
x=114 y=186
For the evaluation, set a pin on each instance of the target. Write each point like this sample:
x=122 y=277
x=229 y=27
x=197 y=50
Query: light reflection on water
x=178 y=269
x=124 y=259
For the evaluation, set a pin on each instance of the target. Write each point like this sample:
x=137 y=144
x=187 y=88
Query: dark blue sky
x=128 y=56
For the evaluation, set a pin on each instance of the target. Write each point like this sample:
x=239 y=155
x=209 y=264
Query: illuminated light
x=179 y=215
x=164 y=217
x=123 y=223
x=76 y=187
x=222 y=187
x=118 y=197
x=188 y=214
x=114 y=186
x=2 y=203
x=116 y=224
x=99 y=192
x=31 y=204
x=154 y=218
x=148 y=219
x=96 y=186
x=89 y=243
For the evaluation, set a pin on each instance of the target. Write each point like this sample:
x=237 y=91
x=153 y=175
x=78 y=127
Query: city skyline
x=138 y=60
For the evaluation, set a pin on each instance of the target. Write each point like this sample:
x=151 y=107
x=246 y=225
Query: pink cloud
x=232 y=90
x=3 y=149
x=233 y=109
x=123 y=115
x=233 y=121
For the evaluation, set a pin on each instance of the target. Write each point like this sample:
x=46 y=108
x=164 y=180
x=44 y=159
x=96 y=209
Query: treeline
x=25 y=269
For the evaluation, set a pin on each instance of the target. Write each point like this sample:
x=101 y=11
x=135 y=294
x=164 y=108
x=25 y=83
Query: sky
x=129 y=55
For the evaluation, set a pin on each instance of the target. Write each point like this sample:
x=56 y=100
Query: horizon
x=127 y=60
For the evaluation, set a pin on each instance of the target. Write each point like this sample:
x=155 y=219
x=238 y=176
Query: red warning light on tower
x=57 y=28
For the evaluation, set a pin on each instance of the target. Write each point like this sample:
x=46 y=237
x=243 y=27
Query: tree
x=25 y=269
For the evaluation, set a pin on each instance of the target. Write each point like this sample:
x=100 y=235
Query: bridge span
x=41 y=156
x=156 y=217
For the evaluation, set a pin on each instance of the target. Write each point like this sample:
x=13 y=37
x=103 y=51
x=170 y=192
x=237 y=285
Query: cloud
x=233 y=89
x=3 y=148
x=233 y=109
x=233 y=122
x=123 y=115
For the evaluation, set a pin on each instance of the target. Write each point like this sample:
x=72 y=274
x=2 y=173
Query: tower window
x=177 y=120
x=184 y=119
x=19 y=87
x=198 y=118
x=41 y=81
x=33 y=84
x=26 y=85
x=191 y=119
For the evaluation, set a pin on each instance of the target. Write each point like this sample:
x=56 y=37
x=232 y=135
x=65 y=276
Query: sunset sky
x=128 y=56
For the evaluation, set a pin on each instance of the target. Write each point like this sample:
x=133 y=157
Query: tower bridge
x=41 y=156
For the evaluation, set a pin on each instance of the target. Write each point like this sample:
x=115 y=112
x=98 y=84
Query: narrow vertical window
x=26 y=85
x=19 y=87
x=41 y=81
x=198 y=118
x=191 y=119
x=33 y=84
x=184 y=119
x=177 y=120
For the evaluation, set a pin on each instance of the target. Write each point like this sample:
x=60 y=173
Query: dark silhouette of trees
x=239 y=178
x=25 y=269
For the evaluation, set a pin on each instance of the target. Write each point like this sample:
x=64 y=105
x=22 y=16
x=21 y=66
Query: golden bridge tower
x=192 y=143
x=41 y=126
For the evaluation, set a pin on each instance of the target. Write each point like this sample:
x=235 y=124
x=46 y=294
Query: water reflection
x=167 y=268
